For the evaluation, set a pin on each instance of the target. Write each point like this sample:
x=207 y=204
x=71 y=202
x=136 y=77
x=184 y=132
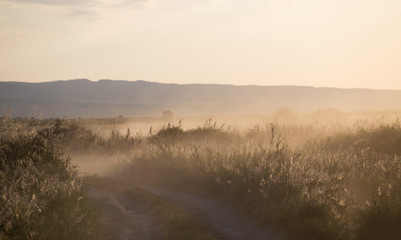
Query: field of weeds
x=327 y=184
x=41 y=194
x=323 y=175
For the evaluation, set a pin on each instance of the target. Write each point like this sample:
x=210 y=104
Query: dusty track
x=224 y=220
x=123 y=218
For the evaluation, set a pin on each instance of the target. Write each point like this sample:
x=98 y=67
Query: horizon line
x=217 y=84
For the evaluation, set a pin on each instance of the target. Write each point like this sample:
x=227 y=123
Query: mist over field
x=145 y=160
x=212 y=120
x=326 y=174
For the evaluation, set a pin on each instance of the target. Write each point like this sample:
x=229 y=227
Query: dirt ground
x=123 y=218
x=126 y=219
x=221 y=218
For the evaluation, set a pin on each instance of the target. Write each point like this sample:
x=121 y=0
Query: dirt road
x=224 y=220
x=123 y=218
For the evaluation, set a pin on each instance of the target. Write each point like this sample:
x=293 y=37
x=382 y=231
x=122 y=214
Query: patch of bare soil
x=221 y=218
x=123 y=218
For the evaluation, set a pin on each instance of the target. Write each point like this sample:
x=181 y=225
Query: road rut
x=224 y=220
x=123 y=218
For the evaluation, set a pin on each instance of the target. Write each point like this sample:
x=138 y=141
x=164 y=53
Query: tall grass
x=41 y=195
x=331 y=189
x=311 y=180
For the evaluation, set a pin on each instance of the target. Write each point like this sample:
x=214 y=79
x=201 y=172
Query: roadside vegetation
x=41 y=195
x=343 y=187
x=307 y=176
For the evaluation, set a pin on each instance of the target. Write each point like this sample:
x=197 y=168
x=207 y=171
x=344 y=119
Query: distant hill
x=108 y=98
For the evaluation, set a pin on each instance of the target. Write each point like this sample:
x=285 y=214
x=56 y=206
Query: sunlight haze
x=321 y=43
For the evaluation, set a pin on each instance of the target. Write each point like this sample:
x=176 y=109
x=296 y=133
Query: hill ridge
x=111 y=98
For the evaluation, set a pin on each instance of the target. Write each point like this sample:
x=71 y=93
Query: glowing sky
x=335 y=43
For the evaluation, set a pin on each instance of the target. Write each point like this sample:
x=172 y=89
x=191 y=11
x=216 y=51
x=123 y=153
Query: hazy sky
x=337 y=43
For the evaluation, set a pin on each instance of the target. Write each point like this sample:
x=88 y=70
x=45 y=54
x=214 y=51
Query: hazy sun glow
x=342 y=43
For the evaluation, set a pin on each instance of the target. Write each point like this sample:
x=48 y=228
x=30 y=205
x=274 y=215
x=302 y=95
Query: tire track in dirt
x=221 y=218
x=123 y=218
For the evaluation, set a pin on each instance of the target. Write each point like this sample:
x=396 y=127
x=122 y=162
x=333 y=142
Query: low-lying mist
x=321 y=175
